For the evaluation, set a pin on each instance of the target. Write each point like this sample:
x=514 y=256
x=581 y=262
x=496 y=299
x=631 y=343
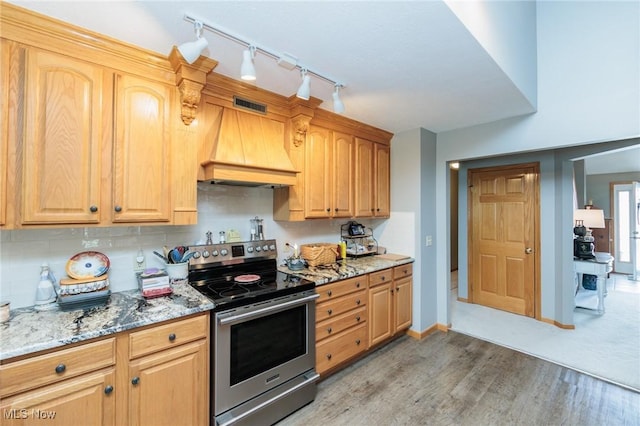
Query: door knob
x=528 y=250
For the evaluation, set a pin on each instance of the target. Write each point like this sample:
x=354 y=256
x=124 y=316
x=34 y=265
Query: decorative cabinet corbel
x=300 y=125
x=190 y=79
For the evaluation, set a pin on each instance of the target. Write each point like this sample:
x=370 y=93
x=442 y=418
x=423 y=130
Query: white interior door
x=626 y=198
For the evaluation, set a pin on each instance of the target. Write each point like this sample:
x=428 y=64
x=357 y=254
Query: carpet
x=606 y=346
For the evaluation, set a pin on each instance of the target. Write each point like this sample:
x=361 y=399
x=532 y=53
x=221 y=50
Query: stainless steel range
x=263 y=327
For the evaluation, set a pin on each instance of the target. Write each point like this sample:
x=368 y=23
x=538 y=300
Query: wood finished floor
x=453 y=379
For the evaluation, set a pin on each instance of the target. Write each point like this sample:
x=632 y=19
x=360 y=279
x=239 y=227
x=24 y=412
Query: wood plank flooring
x=454 y=379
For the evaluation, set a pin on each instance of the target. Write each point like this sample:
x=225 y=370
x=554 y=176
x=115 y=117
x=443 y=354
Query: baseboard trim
x=558 y=324
x=419 y=335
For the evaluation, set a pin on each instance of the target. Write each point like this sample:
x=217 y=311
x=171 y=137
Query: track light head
x=304 y=91
x=191 y=50
x=338 y=105
x=248 y=70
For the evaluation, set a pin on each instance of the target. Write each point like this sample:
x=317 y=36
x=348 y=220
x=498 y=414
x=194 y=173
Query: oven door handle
x=309 y=378
x=259 y=312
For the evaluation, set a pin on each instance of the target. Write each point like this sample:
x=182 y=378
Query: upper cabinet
x=62 y=140
x=345 y=170
x=94 y=132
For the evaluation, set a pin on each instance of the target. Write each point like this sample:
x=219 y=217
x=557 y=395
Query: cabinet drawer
x=164 y=336
x=402 y=271
x=333 y=326
x=56 y=366
x=340 y=288
x=376 y=278
x=333 y=308
x=337 y=349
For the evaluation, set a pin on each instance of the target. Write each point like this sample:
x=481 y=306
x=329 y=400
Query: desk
x=599 y=267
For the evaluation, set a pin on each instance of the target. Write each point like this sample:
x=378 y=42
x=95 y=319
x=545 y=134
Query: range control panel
x=230 y=253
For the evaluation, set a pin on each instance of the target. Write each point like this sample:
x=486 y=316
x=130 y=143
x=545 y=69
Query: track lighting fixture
x=248 y=70
x=190 y=51
x=304 y=91
x=338 y=106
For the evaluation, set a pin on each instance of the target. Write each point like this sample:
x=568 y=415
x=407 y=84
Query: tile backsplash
x=220 y=208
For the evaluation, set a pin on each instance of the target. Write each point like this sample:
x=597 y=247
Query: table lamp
x=585 y=219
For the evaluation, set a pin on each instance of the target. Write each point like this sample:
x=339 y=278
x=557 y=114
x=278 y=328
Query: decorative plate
x=246 y=278
x=87 y=264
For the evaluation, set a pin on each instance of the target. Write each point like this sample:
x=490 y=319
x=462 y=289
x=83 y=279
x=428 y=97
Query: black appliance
x=263 y=332
x=583 y=246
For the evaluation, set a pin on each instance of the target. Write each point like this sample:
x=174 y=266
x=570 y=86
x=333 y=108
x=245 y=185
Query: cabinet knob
x=358 y=284
x=329 y=293
x=329 y=330
x=358 y=302
x=358 y=342
x=330 y=311
x=118 y=209
x=135 y=380
x=328 y=356
x=336 y=209
x=391 y=291
x=328 y=209
x=60 y=368
x=172 y=337
x=383 y=278
x=358 y=318
x=108 y=390
x=93 y=209
x=398 y=290
x=378 y=209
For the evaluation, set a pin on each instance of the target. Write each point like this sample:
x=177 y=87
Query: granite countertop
x=345 y=269
x=29 y=330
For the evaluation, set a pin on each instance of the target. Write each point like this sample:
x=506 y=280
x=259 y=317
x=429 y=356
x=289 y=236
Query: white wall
x=588 y=91
x=219 y=208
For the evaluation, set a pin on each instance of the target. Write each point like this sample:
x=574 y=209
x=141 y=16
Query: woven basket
x=319 y=253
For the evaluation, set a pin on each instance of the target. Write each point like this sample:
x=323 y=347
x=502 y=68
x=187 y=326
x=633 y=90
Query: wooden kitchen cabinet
x=372 y=179
x=390 y=303
x=341 y=317
x=154 y=376
x=328 y=175
x=61 y=387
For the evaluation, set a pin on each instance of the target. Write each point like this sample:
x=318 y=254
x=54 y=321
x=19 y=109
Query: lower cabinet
x=154 y=376
x=356 y=314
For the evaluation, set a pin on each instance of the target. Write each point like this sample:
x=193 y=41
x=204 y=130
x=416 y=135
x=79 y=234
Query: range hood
x=242 y=148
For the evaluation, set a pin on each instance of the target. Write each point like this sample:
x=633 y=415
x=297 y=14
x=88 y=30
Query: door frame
x=536 y=229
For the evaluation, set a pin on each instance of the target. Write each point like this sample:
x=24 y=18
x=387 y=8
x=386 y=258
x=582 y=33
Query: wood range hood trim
x=244 y=149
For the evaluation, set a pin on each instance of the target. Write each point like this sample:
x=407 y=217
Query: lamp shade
x=190 y=51
x=247 y=70
x=338 y=106
x=304 y=92
x=591 y=218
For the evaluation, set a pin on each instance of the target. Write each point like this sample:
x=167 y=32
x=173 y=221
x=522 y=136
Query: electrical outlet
x=429 y=240
x=139 y=262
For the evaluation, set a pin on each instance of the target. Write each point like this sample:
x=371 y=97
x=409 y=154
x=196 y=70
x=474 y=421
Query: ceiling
x=405 y=64
x=617 y=161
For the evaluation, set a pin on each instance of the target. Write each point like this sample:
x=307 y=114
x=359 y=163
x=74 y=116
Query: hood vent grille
x=250 y=105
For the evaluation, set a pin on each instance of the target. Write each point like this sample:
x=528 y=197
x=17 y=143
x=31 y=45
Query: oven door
x=262 y=346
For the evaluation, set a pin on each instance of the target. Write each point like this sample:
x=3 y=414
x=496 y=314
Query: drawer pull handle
x=135 y=380
x=358 y=302
x=172 y=337
x=328 y=356
x=329 y=293
x=108 y=390
x=60 y=368
x=358 y=318
x=330 y=311
x=358 y=342
x=329 y=330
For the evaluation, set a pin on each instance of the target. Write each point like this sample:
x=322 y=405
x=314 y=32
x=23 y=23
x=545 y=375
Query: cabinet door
x=343 y=160
x=62 y=139
x=141 y=168
x=380 y=313
x=88 y=399
x=170 y=387
x=5 y=60
x=382 y=181
x=364 y=178
x=317 y=171
x=403 y=304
